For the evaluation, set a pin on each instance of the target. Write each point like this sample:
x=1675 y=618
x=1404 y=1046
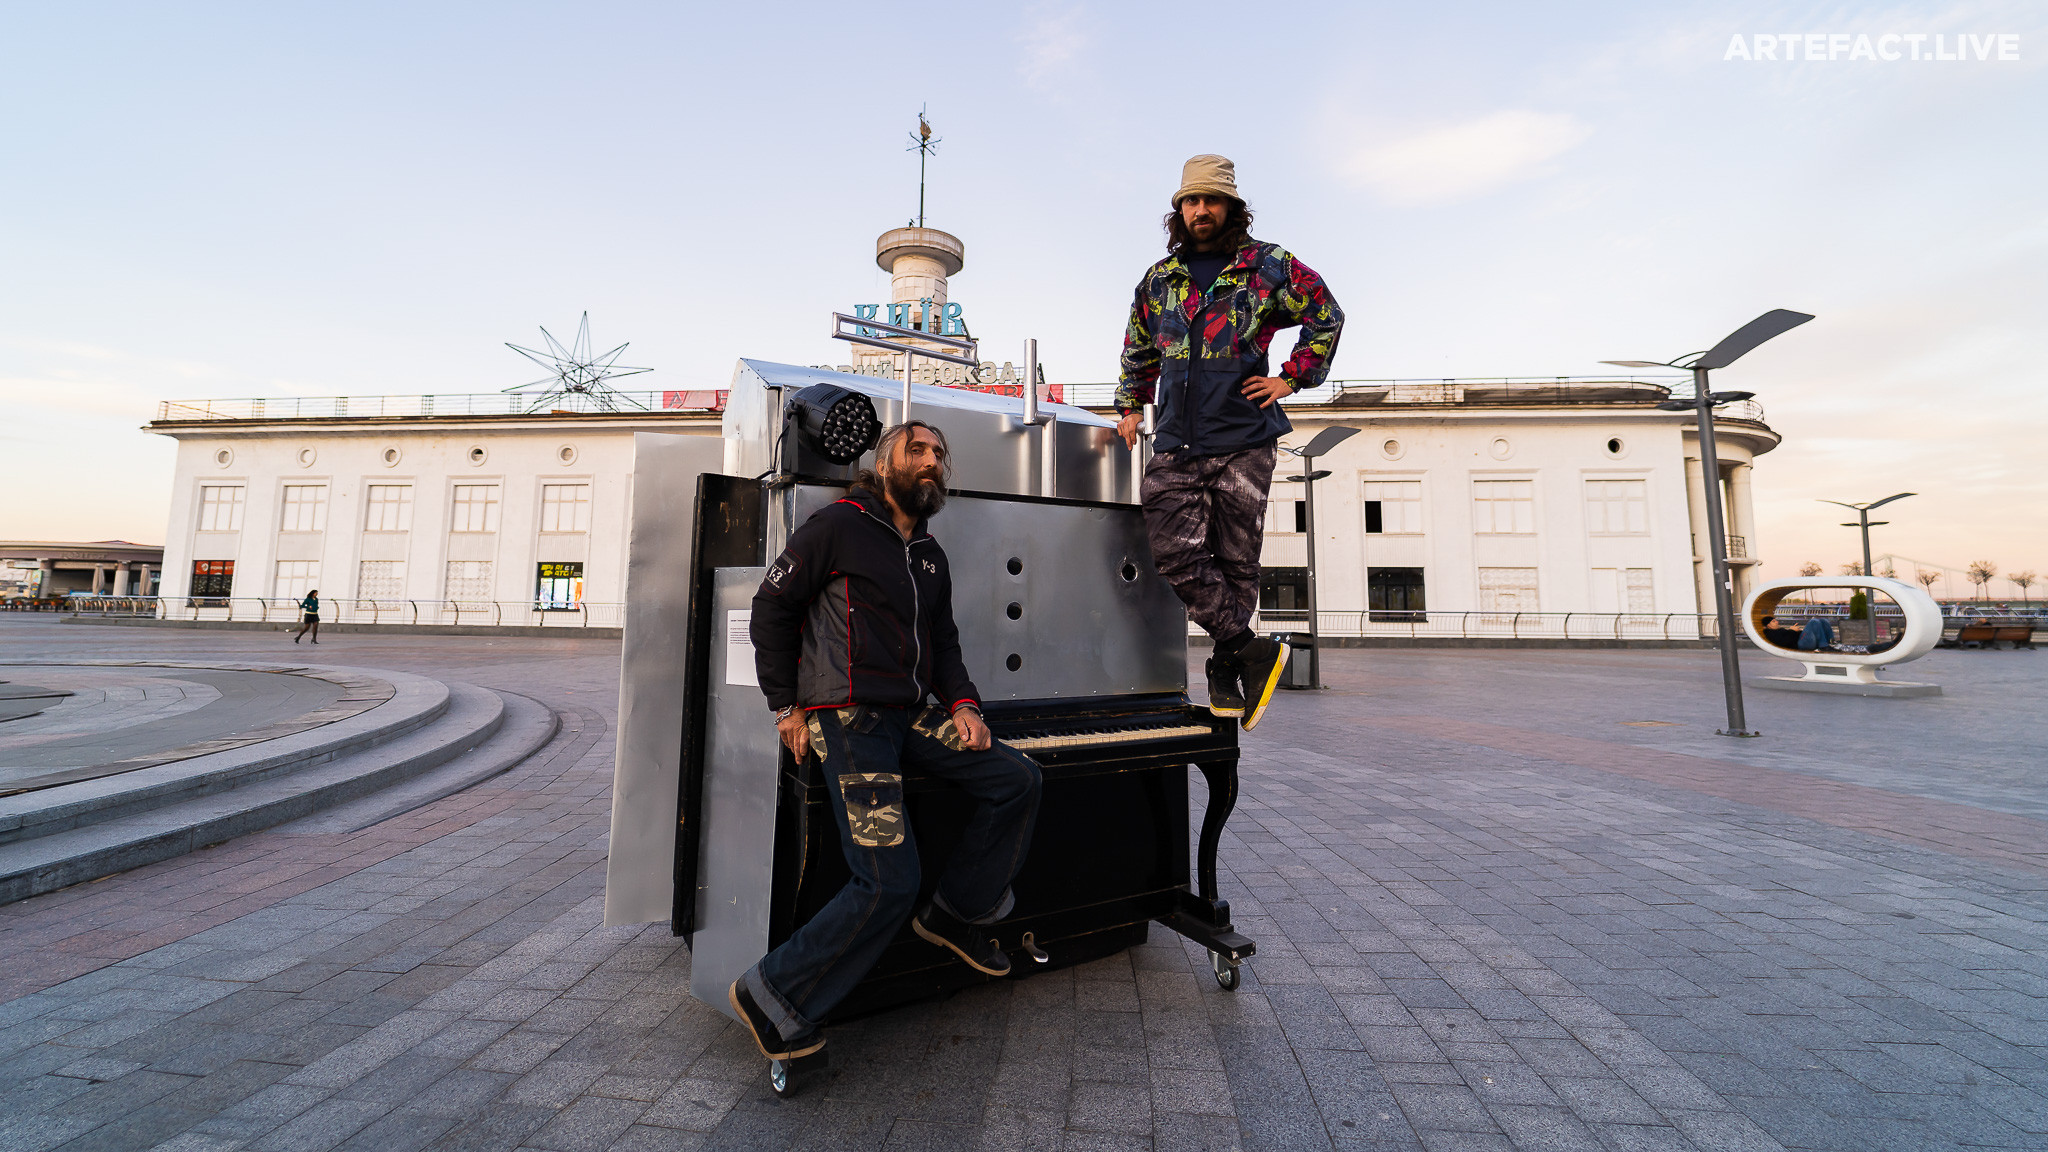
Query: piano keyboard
x=1089 y=739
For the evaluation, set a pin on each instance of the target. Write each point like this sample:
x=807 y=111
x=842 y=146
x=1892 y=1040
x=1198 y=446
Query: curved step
x=469 y=720
x=410 y=703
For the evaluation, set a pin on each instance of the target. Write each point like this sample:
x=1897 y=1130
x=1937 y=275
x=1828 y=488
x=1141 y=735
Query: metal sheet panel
x=1094 y=617
x=736 y=864
x=639 y=874
x=993 y=449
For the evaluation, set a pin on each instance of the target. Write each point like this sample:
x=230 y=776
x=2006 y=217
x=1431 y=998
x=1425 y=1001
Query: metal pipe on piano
x=1048 y=426
x=1141 y=452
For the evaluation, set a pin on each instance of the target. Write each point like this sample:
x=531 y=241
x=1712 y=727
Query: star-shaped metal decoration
x=575 y=372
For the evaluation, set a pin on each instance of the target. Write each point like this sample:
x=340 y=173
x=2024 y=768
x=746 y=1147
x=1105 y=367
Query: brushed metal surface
x=736 y=864
x=994 y=450
x=1082 y=628
x=640 y=871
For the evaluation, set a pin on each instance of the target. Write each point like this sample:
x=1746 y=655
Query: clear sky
x=246 y=200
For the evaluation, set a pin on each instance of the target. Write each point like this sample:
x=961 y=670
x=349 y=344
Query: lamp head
x=836 y=423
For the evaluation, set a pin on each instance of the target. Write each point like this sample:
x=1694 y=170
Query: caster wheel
x=1227 y=974
x=779 y=1079
x=788 y=1077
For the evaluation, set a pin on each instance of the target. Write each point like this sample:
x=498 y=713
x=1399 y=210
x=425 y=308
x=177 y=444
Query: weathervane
x=924 y=144
x=574 y=371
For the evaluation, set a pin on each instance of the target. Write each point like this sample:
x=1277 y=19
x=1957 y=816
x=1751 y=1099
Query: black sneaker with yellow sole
x=1226 y=698
x=767 y=1037
x=1259 y=664
x=971 y=943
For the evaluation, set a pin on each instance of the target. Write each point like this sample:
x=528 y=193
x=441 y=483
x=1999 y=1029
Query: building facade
x=1574 y=496
x=426 y=516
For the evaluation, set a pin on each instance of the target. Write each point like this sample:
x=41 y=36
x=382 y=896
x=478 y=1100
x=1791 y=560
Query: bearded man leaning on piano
x=853 y=635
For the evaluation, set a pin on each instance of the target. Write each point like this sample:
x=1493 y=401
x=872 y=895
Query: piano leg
x=1222 y=778
x=1204 y=917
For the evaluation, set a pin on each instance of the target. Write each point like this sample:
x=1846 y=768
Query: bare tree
x=2025 y=579
x=1809 y=569
x=1980 y=573
x=1852 y=568
x=1927 y=579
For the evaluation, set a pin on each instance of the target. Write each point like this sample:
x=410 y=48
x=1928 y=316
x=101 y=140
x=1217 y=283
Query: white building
x=429 y=515
x=1548 y=496
x=1505 y=496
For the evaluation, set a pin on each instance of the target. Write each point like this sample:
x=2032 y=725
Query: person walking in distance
x=1197 y=345
x=310 y=610
x=853 y=634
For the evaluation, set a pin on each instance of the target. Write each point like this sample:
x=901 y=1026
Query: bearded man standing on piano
x=1196 y=343
x=853 y=634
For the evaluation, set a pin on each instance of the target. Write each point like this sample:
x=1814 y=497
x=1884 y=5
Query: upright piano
x=1079 y=649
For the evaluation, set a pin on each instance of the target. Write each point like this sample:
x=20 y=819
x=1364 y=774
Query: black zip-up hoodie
x=851 y=613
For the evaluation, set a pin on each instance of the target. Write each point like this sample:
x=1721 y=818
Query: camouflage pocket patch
x=937 y=723
x=874 y=808
x=817 y=734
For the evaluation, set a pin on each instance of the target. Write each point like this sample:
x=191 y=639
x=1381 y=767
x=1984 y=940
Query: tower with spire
x=919 y=260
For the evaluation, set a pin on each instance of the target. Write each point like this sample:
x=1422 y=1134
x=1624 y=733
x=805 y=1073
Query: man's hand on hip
x=1267 y=389
x=795 y=734
x=1128 y=429
x=973 y=732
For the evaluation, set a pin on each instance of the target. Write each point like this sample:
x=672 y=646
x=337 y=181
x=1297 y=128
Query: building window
x=1624 y=590
x=389 y=508
x=305 y=508
x=469 y=581
x=565 y=507
x=1617 y=507
x=213 y=579
x=1507 y=590
x=1394 y=595
x=1283 y=516
x=476 y=509
x=380 y=580
x=220 y=508
x=559 y=586
x=1393 y=507
x=295 y=578
x=1283 y=593
x=1504 y=507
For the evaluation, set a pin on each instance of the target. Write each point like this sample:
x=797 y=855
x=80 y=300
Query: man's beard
x=920 y=496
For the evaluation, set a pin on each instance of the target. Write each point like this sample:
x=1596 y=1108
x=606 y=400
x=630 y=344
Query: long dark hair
x=1237 y=230
x=885 y=452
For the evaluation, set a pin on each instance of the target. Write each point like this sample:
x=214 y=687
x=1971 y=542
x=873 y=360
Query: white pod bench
x=1849 y=666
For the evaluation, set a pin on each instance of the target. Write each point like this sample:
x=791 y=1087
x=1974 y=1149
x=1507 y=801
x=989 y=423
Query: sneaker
x=1259 y=663
x=767 y=1037
x=967 y=941
x=1226 y=698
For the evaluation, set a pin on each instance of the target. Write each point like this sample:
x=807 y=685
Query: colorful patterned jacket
x=1197 y=382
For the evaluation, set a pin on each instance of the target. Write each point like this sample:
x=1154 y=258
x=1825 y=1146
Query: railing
x=284 y=610
x=701 y=400
x=1471 y=391
x=1432 y=624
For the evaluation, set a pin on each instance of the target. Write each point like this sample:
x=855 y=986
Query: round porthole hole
x=224 y=457
x=1129 y=572
x=1016 y=566
x=1014 y=662
x=1015 y=611
x=478 y=455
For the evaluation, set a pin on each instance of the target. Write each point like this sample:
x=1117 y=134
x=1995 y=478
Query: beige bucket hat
x=1207 y=173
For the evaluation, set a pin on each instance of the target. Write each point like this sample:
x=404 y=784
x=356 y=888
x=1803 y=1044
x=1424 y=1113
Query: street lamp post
x=1325 y=440
x=1730 y=349
x=1866 y=523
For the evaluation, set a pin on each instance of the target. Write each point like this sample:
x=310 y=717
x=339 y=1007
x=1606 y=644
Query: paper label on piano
x=739 y=648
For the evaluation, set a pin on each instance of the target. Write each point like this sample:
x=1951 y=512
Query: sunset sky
x=266 y=200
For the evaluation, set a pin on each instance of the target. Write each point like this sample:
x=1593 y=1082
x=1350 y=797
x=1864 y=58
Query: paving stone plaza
x=1502 y=899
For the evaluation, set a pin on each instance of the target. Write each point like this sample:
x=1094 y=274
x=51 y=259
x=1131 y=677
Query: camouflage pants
x=1206 y=517
x=864 y=752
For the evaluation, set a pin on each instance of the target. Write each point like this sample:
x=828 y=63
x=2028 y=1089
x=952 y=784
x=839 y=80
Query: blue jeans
x=864 y=751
